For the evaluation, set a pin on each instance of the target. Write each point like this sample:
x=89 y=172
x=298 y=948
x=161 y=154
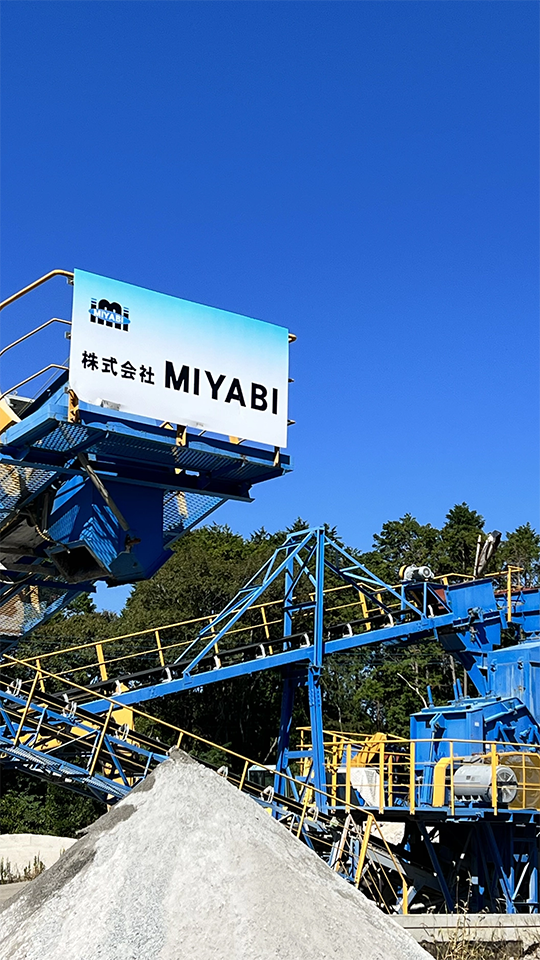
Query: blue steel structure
x=496 y=840
x=54 y=740
x=87 y=494
x=468 y=619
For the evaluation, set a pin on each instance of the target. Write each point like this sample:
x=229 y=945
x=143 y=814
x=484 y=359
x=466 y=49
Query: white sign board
x=156 y=356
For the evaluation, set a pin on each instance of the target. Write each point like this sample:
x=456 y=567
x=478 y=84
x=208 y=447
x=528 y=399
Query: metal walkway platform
x=90 y=493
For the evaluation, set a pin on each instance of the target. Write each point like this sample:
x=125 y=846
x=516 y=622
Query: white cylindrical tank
x=472 y=781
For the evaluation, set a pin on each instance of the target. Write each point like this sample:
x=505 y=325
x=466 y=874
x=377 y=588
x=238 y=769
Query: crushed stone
x=188 y=867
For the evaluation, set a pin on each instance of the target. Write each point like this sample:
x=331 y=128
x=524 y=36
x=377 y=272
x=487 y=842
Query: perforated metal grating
x=230 y=468
x=64 y=437
x=145 y=450
x=120 y=444
x=18 y=483
x=27 y=609
x=181 y=511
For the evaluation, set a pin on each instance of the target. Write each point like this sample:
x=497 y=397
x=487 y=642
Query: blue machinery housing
x=87 y=494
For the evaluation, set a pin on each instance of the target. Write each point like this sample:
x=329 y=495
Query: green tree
x=402 y=542
x=522 y=549
x=31 y=806
x=78 y=624
x=459 y=538
x=207 y=568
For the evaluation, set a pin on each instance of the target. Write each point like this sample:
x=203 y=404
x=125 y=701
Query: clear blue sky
x=365 y=173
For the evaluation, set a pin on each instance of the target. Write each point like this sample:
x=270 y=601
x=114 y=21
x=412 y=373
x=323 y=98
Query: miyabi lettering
x=220 y=387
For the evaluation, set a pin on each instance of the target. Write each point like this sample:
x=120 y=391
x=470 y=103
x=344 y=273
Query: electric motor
x=415 y=572
x=472 y=781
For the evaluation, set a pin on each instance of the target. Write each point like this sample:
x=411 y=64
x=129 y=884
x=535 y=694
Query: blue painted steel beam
x=50 y=742
x=408 y=633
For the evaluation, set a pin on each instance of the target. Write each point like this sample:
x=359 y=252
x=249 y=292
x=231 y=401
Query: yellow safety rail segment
x=509 y=588
x=102 y=662
x=393 y=765
x=26 y=709
x=99 y=741
x=363 y=849
x=159 y=648
x=348 y=750
x=439 y=781
x=452 y=789
x=368 y=828
x=494 y=790
x=412 y=779
x=36 y=283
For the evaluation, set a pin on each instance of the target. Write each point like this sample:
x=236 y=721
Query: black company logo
x=109 y=314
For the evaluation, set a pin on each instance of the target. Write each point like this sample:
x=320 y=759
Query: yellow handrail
x=265 y=624
x=36 y=283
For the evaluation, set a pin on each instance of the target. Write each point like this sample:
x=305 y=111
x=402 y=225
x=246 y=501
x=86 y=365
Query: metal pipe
x=32 y=332
x=99 y=741
x=304 y=810
x=58 y=366
x=363 y=849
x=452 y=794
x=412 y=777
x=494 y=785
x=244 y=775
x=26 y=710
x=36 y=283
x=348 y=777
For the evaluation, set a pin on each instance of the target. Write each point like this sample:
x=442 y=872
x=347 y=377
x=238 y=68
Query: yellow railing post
x=363 y=849
x=509 y=595
x=412 y=777
x=99 y=742
x=101 y=661
x=40 y=675
x=159 y=648
x=265 y=622
x=348 y=777
x=364 y=609
x=494 y=797
x=179 y=741
x=244 y=775
x=390 y=766
x=405 y=908
x=381 y=777
x=452 y=797
x=334 y=769
x=303 y=814
x=26 y=710
x=523 y=776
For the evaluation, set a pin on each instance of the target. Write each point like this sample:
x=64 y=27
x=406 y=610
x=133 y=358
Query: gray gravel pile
x=187 y=867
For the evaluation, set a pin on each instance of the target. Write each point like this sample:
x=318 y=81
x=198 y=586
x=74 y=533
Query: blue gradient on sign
x=168 y=313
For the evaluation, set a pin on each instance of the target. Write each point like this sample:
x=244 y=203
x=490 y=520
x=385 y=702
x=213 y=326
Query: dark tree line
x=364 y=691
